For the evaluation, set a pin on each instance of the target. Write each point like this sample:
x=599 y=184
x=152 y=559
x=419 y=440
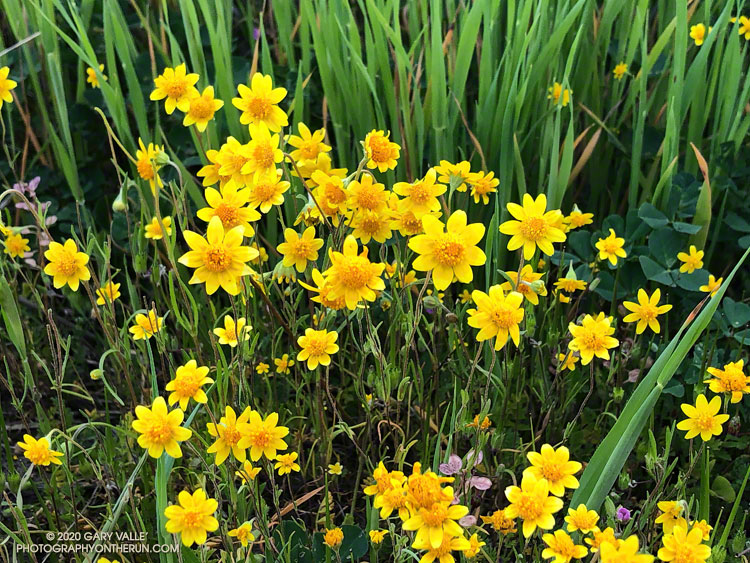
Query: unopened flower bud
x=96 y=374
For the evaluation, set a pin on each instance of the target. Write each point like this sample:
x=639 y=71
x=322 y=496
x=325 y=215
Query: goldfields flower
x=730 y=379
x=146 y=326
x=283 y=364
x=267 y=189
x=620 y=70
x=393 y=499
x=567 y=361
x=16 y=246
x=744 y=28
x=264 y=436
x=352 y=275
x=219 y=259
x=6 y=85
x=409 y=224
x=66 y=265
x=482 y=185
x=323 y=290
x=307 y=145
x=298 y=250
x=500 y=522
x=248 y=472
x=153 y=229
x=160 y=429
x=455 y=175
x=556 y=92
x=562 y=547
x=377 y=536
x=570 y=285
x=712 y=285
x=623 y=551
x=531 y=503
x=91 y=77
x=610 y=248
x=384 y=480
x=330 y=193
x=425 y=489
x=704 y=527
x=202 y=109
x=497 y=315
x=578 y=219
x=108 y=293
x=433 y=522
x=582 y=519
x=335 y=468
x=380 y=151
x=187 y=383
x=323 y=164
x=262 y=152
x=229 y=205
x=691 y=260
x=421 y=196
x=681 y=545
x=465 y=297
x=441 y=553
x=366 y=194
x=286 y=463
x=592 y=338
x=243 y=533
x=449 y=250
x=670 y=516
x=231 y=159
x=475 y=546
x=210 y=172
x=145 y=163
x=600 y=537
x=530 y=285
x=262 y=368
x=259 y=103
x=39 y=451
x=231 y=435
x=333 y=537
x=555 y=467
x=562 y=297
x=703 y=418
x=177 y=86
x=317 y=347
x=192 y=518
x=233 y=331
x=698 y=33
x=533 y=226
x=645 y=311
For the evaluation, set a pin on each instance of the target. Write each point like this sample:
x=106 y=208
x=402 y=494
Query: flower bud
x=96 y=374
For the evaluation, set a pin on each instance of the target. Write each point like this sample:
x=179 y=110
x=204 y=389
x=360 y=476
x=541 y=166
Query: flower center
x=380 y=150
x=370 y=225
x=552 y=472
x=317 y=346
x=218 y=259
x=610 y=246
x=449 y=251
x=368 y=199
x=187 y=385
x=160 y=431
x=534 y=228
x=529 y=507
x=38 y=454
x=262 y=437
x=420 y=193
x=145 y=169
x=565 y=548
x=202 y=108
x=259 y=107
x=231 y=436
x=67 y=264
x=309 y=149
x=503 y=317
x=192 y=519
x=229 y=215
x=264 y=191
x=593 y=341
x=648 y=312
x=301 y=248
x=334 y=194
x=263 y=155
x=435 y=515
x=704 y=421
x=175 y=88
x=357 y=273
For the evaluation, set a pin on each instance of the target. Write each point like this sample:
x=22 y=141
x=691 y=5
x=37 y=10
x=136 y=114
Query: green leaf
x=738 y=314
x=656 y=272
x=722 y=488
x=652 y=216
x=12 y=319
x=664 y=244
x=688 y=228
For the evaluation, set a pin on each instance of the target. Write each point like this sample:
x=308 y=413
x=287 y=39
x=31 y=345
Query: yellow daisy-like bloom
x=567 y=361
x=703 y=419
x=449 y=250
x=623 y=551
x=424 y=489
x=366 y=195
x=264 y=436
x=298 y=250
x=599 y=538
x=380 y=151
x=317 y=347
x=582 y=519
x=682 y=546
x=229 y=206
x=259 y=103
x=333 y=537
x=482 y=185
x=335 y=468
x=210 y=172
x=561 y=546
x=455 y=175
x=307 y=145
x=192 y=518
x=266 y=190
x=145 y=163
x=409 y=224
x=231 y=435
x=620 y=70
x=434 y=522
x=330 y=193
x=744 y=27
x=91 y=77
x=420 y=197
x=66 y=265
x=286 y=463
x=532 y=503
x=475 y=546
x=177 y=86
x=202 y=109
x=712 y=286
x=465 y=297
x=39 y=452
x=556 y=93
x=283 y=364
x=219 y=259
x=232 y=158
x=578 y=219
x=704 y=527
x=645 y=311
x=500 y=522
x=108 y=293
x=352 y=275
x=443 y=552
x=555 y=467
x=153 y=229
x=371 y=225
x=530 y=285
x=610 y=248
x=233 y=331
x=322 y=164
x=698 y=33
x=323 y=289
x=160 y=429
x=146 y=325
x=6 y=85
x=16 y=246
x=592 y=338
x=570 y=284
x=377 y=536
x=691 y=260
x=731 y=379
x=187 y=383
x=262 y=152
x=533 y=227
x=670 y=516
x=497 y=315
x=262 y=368
x=248 y=472
x=244 y=534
